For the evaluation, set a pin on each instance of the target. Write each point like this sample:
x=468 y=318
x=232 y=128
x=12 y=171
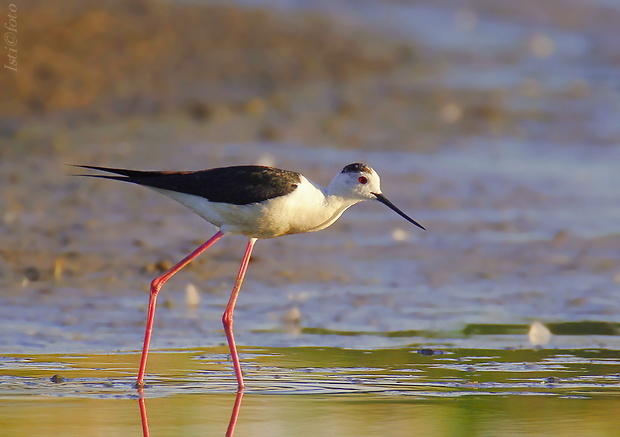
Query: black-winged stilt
x=255 y=201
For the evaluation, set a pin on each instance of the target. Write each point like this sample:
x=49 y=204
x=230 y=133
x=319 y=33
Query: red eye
x=362 y=180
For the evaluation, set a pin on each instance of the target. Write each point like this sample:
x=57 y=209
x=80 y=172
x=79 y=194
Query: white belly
x=306 y=209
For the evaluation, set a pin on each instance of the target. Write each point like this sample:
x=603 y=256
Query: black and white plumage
x=255 y=201
x=240 y=185
x=258 y=201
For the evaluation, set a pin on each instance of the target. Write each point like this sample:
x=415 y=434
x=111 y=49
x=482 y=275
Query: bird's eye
x=362 y=180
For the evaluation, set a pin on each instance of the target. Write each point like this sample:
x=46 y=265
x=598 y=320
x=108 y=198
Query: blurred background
x=493 y=123
x=408 y=75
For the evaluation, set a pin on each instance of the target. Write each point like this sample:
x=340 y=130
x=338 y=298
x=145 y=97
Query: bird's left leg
x=156 y=285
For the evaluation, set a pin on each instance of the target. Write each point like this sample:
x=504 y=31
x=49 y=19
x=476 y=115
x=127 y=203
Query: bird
x=258 y=202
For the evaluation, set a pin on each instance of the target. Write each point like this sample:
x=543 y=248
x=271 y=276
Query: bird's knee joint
x=156 y=285
x=227 y=319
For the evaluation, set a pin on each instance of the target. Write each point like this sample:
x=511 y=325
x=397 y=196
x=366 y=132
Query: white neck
x=333 y=207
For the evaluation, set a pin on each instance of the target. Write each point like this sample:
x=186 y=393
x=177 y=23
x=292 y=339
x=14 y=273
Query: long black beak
x=381 y=198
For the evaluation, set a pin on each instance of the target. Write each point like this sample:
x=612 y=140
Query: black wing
x=239 y=185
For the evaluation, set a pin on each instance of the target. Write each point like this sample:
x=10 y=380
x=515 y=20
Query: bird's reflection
x=231 y=424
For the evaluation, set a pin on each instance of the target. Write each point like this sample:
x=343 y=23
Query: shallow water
x=317 y=391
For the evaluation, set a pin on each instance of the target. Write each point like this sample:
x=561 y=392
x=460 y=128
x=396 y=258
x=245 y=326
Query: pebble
x=429 y=352
x=551 y=380
x=539 y=334
x=57 y=379
x=32 y=273
x=192 y=296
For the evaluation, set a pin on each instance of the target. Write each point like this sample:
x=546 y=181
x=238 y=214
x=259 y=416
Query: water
x=312 y=391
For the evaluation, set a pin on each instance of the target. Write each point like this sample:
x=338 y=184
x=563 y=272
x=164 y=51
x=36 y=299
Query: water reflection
x=230 y=431
x=143 y=415
x=357 y=393
x=235 y=414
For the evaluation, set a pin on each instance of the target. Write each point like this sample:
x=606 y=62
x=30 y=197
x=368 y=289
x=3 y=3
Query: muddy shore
x=513 y=178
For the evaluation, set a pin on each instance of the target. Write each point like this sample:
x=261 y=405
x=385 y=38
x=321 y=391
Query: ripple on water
x=312 y=371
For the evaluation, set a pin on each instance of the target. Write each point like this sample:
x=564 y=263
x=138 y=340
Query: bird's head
x=356 y=182
x=359 y=182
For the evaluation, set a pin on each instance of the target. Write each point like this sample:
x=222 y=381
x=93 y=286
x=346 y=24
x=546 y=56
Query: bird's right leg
x=227 y=318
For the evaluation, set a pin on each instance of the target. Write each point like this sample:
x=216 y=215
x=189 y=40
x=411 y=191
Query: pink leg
x=234 y=415
x=156 y=285
x=227 y=318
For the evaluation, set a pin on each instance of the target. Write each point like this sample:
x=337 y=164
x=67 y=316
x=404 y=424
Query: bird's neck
x=320 y=208
x=334 y=206
x=333 y=202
